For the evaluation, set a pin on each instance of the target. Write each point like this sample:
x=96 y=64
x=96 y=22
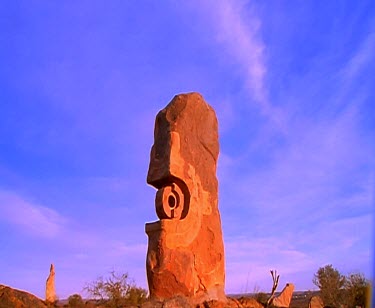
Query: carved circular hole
x=172 y=201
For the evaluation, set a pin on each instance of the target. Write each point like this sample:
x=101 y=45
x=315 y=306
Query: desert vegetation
x=76 y=300
x=116 y=290
x=112 y=291
x=337 y=290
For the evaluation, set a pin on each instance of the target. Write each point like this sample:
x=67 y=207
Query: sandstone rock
x=184 y=302
x=285 y=297
x=219 y=304
x=177 y=302
x=12 y=298
x=316 y=302
x=212 y=304
x=185 y=248
x=50 y=286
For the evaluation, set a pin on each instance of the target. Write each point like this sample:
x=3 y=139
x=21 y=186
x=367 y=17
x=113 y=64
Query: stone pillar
x=185 y=247
x=50 y=286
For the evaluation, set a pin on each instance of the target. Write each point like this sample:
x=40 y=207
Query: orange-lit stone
x=185 y=248
x=50 y=286
x=285 y=297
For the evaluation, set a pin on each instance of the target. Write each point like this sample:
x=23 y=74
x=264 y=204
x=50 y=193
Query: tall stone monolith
x=185 y=248
x=50 y=286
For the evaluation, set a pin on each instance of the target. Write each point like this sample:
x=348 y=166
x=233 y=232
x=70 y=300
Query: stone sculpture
x=185 y=247
x=285 y=297
x=50 y=286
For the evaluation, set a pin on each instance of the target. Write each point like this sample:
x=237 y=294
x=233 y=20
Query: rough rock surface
x=12 y=298
x=316 y=302
x=285 y=297
x=50 y=286
x=185 y=249
x=183 y=302
x=230 y=303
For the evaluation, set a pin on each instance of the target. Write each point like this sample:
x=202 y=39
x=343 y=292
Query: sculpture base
x=171 y=271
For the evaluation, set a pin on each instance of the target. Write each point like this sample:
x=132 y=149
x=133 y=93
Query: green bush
x=330 y=282
x=75 y=301
x=136 y=296
x=336 y=289
x=116 y=291
x=356 y=290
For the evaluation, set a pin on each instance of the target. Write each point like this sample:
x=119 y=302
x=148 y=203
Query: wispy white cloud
x=310 y=203
x=30 y=217
x=241 y=39
x=318 y=164
x=313 y=178
x=355 y=69
x=359 y=60
x=238 y=34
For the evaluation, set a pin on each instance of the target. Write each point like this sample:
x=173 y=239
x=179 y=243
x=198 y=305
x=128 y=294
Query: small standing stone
x=285 y=297
x=50 y=286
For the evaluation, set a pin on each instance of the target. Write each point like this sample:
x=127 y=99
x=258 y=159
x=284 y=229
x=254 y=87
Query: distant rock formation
x=185 y=248
x=50 y=286
x=12 y=298
x=316 y=302
x=285 y=297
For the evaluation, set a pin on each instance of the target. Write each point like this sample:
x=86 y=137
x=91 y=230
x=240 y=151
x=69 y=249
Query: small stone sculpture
x=185 y=248
x=285 y=297
x=50 y=286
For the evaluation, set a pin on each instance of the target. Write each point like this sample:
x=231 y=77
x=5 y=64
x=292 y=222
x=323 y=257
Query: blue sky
x=292 y=83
